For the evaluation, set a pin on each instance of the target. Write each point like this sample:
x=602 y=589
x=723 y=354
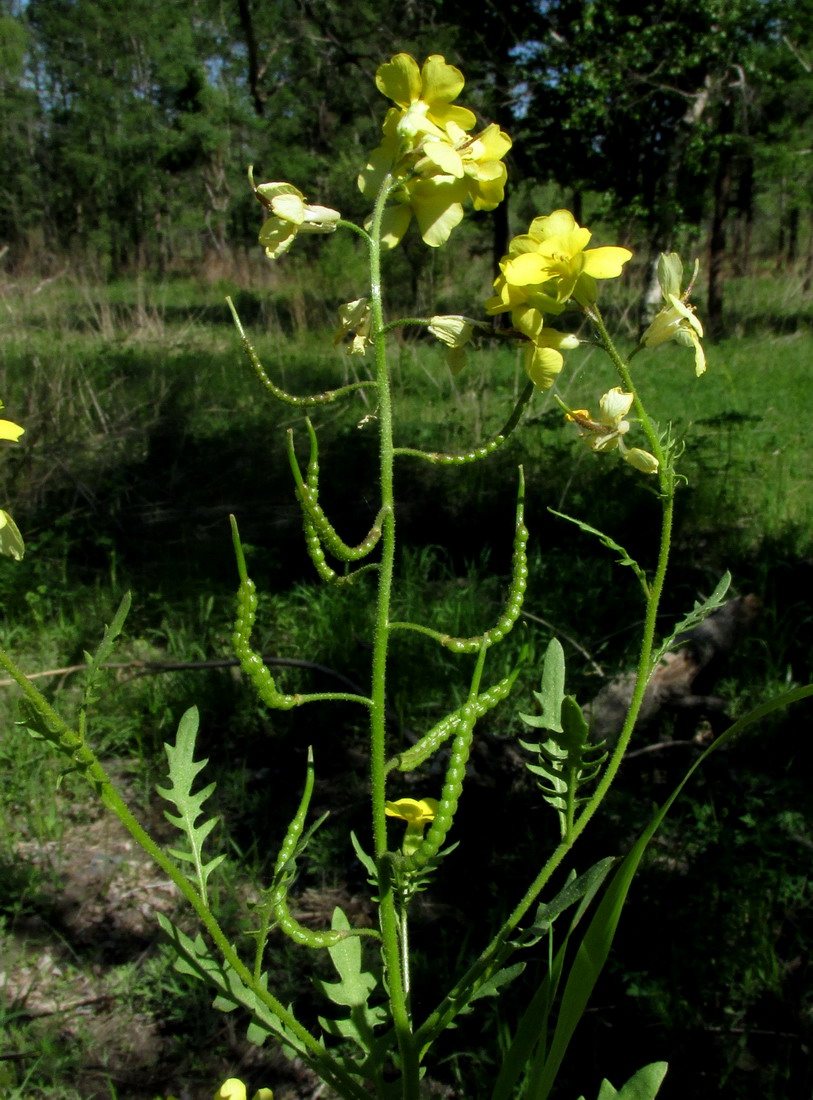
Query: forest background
x=126 y=129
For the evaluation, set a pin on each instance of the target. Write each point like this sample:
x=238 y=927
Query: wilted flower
x=676 y=320
x=607 y=433
x=418 y=813
x=289 y=214
x=455 y=332
x=355 y=318
x=11 y=541
x=234 y=1089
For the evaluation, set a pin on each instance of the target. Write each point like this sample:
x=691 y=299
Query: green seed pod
x=516 y=593
x=431 y=741
x=305 y=937
x=450 y=795
x=250 y=662
x=307 y=492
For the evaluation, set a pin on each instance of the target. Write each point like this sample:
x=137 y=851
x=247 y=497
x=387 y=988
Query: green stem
x=396 y=978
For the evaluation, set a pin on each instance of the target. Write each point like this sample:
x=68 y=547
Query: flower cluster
x=546 y=268
x=11 y=541
x=428 y=149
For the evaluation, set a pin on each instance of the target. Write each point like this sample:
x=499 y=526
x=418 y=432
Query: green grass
x=145 y=428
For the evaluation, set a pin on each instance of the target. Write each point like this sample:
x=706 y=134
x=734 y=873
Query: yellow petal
x=290 y=207
x=605 y=263
x=496 y=143
x=9 y=430
x=615 y=404
x=542 y=365
x=440 y=83
x=444 y=156
x=394 y=224
x=527 y=269
x=555 y=224
x=277 y=236
x=445 y=113
x=400 y=79
x=438 y=210
x=412 y=810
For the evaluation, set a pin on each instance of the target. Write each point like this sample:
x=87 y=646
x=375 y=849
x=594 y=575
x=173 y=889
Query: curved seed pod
x=326 y=572
x=284 y=871
x=305 y=937
x=307 y=495
x=450 y=795
x=431 y=741
x=516 y=593
x=489 y=447
x=325 y=398
x=250 y=662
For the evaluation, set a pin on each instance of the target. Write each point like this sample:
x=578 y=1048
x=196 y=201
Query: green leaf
x=552 y=691
x=643 y=1085
x=494 y=984
x=367 y=862
x=585 y=886
x=194 y=959
x=611 y=544
x=356 y=984
x=110 y=635
x=700 y=611
x=11 y=541
x=183 y=771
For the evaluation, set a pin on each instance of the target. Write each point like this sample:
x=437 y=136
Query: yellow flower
x=607 y=433
x=425 y=95
x=355 y=318
x=418 y=813
x=676 y=320
x=234 y=1089
x=475 y=159
x=551 y=264
x=289 y=214
x=455 y=332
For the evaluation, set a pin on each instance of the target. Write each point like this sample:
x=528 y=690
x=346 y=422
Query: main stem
x=397 y=979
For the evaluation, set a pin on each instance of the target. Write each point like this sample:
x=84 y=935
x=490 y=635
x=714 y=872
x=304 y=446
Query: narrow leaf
x=625 y=558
